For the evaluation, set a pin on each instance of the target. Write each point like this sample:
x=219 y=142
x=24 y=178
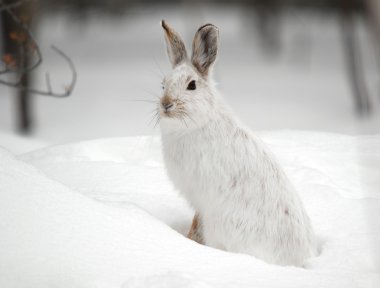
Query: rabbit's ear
x=205 y=48
x=174 y=45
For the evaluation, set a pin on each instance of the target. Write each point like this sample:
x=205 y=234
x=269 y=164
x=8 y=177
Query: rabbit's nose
x=167 y=106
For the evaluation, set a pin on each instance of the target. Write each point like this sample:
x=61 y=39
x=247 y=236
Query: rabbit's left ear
x=174 y=45
x=205 y=48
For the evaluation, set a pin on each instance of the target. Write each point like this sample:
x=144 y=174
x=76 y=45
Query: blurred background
x=283 y=64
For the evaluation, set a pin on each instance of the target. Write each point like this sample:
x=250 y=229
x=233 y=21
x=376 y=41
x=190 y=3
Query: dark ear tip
x=208 y=26
x=164 y=25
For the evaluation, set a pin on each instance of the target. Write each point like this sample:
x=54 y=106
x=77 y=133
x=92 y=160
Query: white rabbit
x=244 y=201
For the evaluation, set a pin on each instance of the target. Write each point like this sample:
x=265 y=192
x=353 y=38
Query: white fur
x=245 y=201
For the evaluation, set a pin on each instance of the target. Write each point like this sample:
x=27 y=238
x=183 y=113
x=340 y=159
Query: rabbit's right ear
x=205 y=48
x=174 y=45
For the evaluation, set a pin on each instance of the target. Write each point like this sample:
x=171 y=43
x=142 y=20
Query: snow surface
x=20 y=144
x=102 y=213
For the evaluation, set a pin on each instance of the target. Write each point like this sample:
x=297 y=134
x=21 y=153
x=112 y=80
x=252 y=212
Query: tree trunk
x=12 y=47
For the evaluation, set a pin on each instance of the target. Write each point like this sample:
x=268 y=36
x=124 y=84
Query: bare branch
x=68 y=89
x=48 y=83
x=24 y=27
x=22 y=70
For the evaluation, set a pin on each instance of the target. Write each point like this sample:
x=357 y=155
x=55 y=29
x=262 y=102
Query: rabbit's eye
x=191 y=85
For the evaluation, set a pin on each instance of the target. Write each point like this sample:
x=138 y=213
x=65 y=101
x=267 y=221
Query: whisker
x=157 y=121
x=184 y=121
x=155 y=115
x=141 y=100
x=188 y=116
x=159 y=68
x=151 y=93
x=179 y=98
x=154 y=110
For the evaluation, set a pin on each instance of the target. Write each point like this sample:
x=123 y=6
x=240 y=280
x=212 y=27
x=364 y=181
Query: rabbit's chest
x=194 y=168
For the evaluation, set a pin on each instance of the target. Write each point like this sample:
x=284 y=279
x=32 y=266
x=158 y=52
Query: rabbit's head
x=187 y=101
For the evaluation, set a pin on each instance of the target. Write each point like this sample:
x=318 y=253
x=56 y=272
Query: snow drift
x=103 y=214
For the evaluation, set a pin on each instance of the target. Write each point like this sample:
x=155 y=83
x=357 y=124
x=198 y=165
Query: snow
x=20 y=144
x=103 y=213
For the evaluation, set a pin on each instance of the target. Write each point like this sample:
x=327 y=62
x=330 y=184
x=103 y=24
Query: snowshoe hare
x=243 y=200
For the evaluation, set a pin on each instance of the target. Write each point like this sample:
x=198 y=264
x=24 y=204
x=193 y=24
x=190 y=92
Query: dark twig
x=68 y=89
x=21 y=70
x=24 y=27
x=48 y=83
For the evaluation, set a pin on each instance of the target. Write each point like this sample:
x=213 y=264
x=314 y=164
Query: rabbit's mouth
x=166 y=114
x=175 y=109
x=167 y=109
x=170 y=113
x=172 y=109
x=177 y=114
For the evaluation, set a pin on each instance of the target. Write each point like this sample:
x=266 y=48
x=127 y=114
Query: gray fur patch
x=174 y=45
x=205 y=48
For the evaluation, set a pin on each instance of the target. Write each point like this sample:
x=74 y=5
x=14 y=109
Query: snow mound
x=20 y=144
x=102 y=213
